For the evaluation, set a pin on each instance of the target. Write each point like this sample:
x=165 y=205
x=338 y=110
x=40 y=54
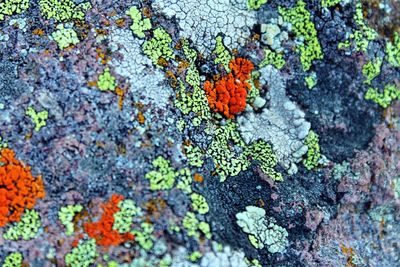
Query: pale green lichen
x=144 y=236
x=13 y=260
x=159 y=47
x=124 y=217
x=194 y=227
x=184 y=180
x=163 y=178
x=38 y=118
x=199 y=203
x=371 y=70
x=195 y=256
x=393 y=51
x=65 y=37
x=304 y=28
x=330 y=3
x=262 y=231
x=11 y=7
x=66 y=216
x=63 y=10
x=139 y=24
x=26 y=229
x=83 y=255
x=311 y=80
x=194 y=155
x=255 y=4
x=272 y=58
x=106 y=81
x=390 y=93
x=313 y=153
x=222 y=54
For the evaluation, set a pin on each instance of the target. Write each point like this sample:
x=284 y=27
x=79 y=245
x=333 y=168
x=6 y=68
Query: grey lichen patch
x=282 y=123
x=262 y=231
x=147 y=83
x=202 y=21
x=10 y=86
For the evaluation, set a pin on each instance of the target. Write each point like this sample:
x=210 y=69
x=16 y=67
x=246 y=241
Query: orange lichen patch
x=147 y=12
x=349 y=252
x=140 y=117
x=154 y=207
x=198 y=178
x=120 y=22
x=102 y=231
x=228 y=94
x=19 y=190
x=38 y=31
x=120 y=93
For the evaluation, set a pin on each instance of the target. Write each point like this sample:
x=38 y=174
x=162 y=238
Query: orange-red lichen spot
x=228 y=94
x=19 y=190
x=102 y=231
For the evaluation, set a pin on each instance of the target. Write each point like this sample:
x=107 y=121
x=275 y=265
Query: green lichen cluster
x=13 y=260
x=184 y=180
x=272 y=58
x=304 y=28
x=3 y=144
x=363 y=35
x=11 y=7
x=390 y=93
x=106 y=81
x=195 y=256
x=194 y=155
x=144 y=237
x=124 y=217
x=393 y=51
x=255 y=4
x=222 y=54
x=192 y=100
x=311 y=80
x=159 y=47
x=313 y=153
x=227 y=162
x=262 y=232
x=163 y=178
x=63 y=10
x=371 y=70
x=65 y=37
x=199 y=203
x=263 y=153
x=194 y=227
x=66 y=216
x=330 y=3
x=38 y=118
x=83 y=255
x=139 y=24
x=26 y=228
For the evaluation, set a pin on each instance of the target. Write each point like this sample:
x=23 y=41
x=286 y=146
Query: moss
x=393 y=51
x=139 y=25
x=65 y=37
x=313 y=152
x=199 y=203
x=124 y=217
x=371 y=70
x=66 y=216
x=38 y=118
x=26 y=229
x=11 y=7
x=13 y=260
x=163 y=177
x=158 y=47
x=272 y=58
x=303 y=27
x=390 y=93
x=222 y=54
x=83 y=255
x=106 y=81
x=63 y=10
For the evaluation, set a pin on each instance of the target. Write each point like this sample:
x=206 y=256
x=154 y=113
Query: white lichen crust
x=281 y=124
x=202 y=21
